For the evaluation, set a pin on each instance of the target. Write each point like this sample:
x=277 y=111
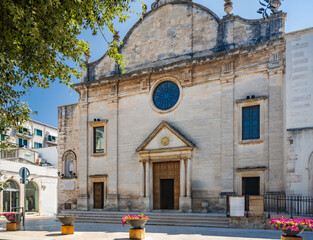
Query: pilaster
x=227 y=105
x=276 y=130
x=82 y=200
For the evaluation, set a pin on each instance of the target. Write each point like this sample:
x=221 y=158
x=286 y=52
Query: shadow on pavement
x=54 y=235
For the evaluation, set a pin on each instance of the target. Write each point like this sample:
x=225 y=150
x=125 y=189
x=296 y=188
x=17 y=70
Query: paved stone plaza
x=50 y=229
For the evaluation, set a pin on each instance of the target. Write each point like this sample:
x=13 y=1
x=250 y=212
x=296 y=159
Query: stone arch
x=69 y=162
x=11 y=195
x=310 y=169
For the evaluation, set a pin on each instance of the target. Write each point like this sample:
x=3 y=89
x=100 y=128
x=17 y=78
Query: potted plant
x=136 y=221
x=291 y=227
x=13 y=217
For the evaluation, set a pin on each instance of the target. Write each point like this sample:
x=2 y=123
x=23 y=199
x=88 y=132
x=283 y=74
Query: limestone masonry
x=199 y=114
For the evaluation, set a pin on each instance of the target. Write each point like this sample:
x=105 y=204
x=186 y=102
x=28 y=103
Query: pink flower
x=292 y=224
x=128 y=217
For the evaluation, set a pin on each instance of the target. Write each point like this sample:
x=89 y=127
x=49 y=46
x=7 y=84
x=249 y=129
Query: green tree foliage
x=3 y=185
x=38 y=38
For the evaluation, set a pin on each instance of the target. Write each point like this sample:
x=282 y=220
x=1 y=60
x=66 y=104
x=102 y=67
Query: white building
x=299 y=112
x=36 y=150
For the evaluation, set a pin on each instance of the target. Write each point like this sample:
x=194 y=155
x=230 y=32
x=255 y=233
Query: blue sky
x=45 y=101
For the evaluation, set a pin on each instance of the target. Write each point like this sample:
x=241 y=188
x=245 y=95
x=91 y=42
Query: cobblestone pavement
x=50 y=229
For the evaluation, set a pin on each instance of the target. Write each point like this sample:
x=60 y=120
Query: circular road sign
x=24 y=170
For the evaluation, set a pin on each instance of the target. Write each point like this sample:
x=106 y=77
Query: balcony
x=20 y=155
x=24 y=134
x=51 y=140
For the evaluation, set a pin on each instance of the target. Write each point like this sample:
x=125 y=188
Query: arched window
x=31 y=199
x=11 y=197
x=69 y=164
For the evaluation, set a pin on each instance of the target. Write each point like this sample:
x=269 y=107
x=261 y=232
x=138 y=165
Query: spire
x=158 y=3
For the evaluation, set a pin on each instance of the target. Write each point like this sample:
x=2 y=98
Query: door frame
x=177 y=202
x=96 y=179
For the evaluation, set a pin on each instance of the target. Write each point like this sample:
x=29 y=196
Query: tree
x=39 y=38
x=3 y=185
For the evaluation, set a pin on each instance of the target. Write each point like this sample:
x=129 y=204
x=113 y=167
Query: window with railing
x=23 y=130
x=51 y=138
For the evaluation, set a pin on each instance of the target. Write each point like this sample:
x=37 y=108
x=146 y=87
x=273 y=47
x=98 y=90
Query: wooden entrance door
x=98 y=194
x=166 y=185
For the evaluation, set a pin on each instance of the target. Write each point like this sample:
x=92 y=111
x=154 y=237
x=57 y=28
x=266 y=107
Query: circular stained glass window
x=166 y=95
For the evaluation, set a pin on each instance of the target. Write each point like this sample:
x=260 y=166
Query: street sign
x=24 y=174
x=25 y=171
x=24 y=182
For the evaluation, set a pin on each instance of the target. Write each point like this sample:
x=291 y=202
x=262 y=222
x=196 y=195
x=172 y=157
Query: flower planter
x=66 y=220
x=138 y=223
x=291 y=227
x=13 y=217
x=290 y=233
x=67 y=227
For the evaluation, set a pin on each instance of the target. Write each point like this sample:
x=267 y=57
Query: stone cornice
x=208 y=59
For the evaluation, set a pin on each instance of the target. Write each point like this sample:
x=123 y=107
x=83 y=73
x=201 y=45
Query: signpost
x=24 y=174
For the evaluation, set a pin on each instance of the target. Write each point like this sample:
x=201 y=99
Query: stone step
x=161 y=219
x=183 y=215
x=190 y=224
x=198 y=221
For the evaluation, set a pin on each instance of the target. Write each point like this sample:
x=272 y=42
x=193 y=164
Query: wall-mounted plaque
x=69 y=185
x=237 y=206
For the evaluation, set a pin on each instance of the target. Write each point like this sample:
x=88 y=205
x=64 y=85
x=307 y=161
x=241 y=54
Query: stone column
x=147 y=179
x=189 y=177
x=227 y=134
x=142 y=175
x=182 y=178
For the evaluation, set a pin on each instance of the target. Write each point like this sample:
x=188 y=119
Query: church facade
x=197 y=115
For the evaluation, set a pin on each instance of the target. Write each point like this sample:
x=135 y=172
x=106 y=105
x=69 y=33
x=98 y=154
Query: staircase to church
x=160 y=219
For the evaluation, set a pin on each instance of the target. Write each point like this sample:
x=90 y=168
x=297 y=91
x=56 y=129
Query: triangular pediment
x=165 y=137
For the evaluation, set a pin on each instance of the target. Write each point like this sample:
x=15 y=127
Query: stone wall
x=215 y=85
x=68 y=124
x=182 y=30
x=299 y=113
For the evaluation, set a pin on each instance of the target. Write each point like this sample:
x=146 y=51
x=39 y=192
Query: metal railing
x=288 y=205
x=293 y=206
x=9 y=154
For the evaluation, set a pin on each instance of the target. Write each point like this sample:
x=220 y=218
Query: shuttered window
x=37 y=145
x=251 y=122
x=22 y=142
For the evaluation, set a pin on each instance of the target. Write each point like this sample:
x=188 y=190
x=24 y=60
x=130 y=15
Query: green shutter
x=38 y=132
x=251 y=122
x=20 y=142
